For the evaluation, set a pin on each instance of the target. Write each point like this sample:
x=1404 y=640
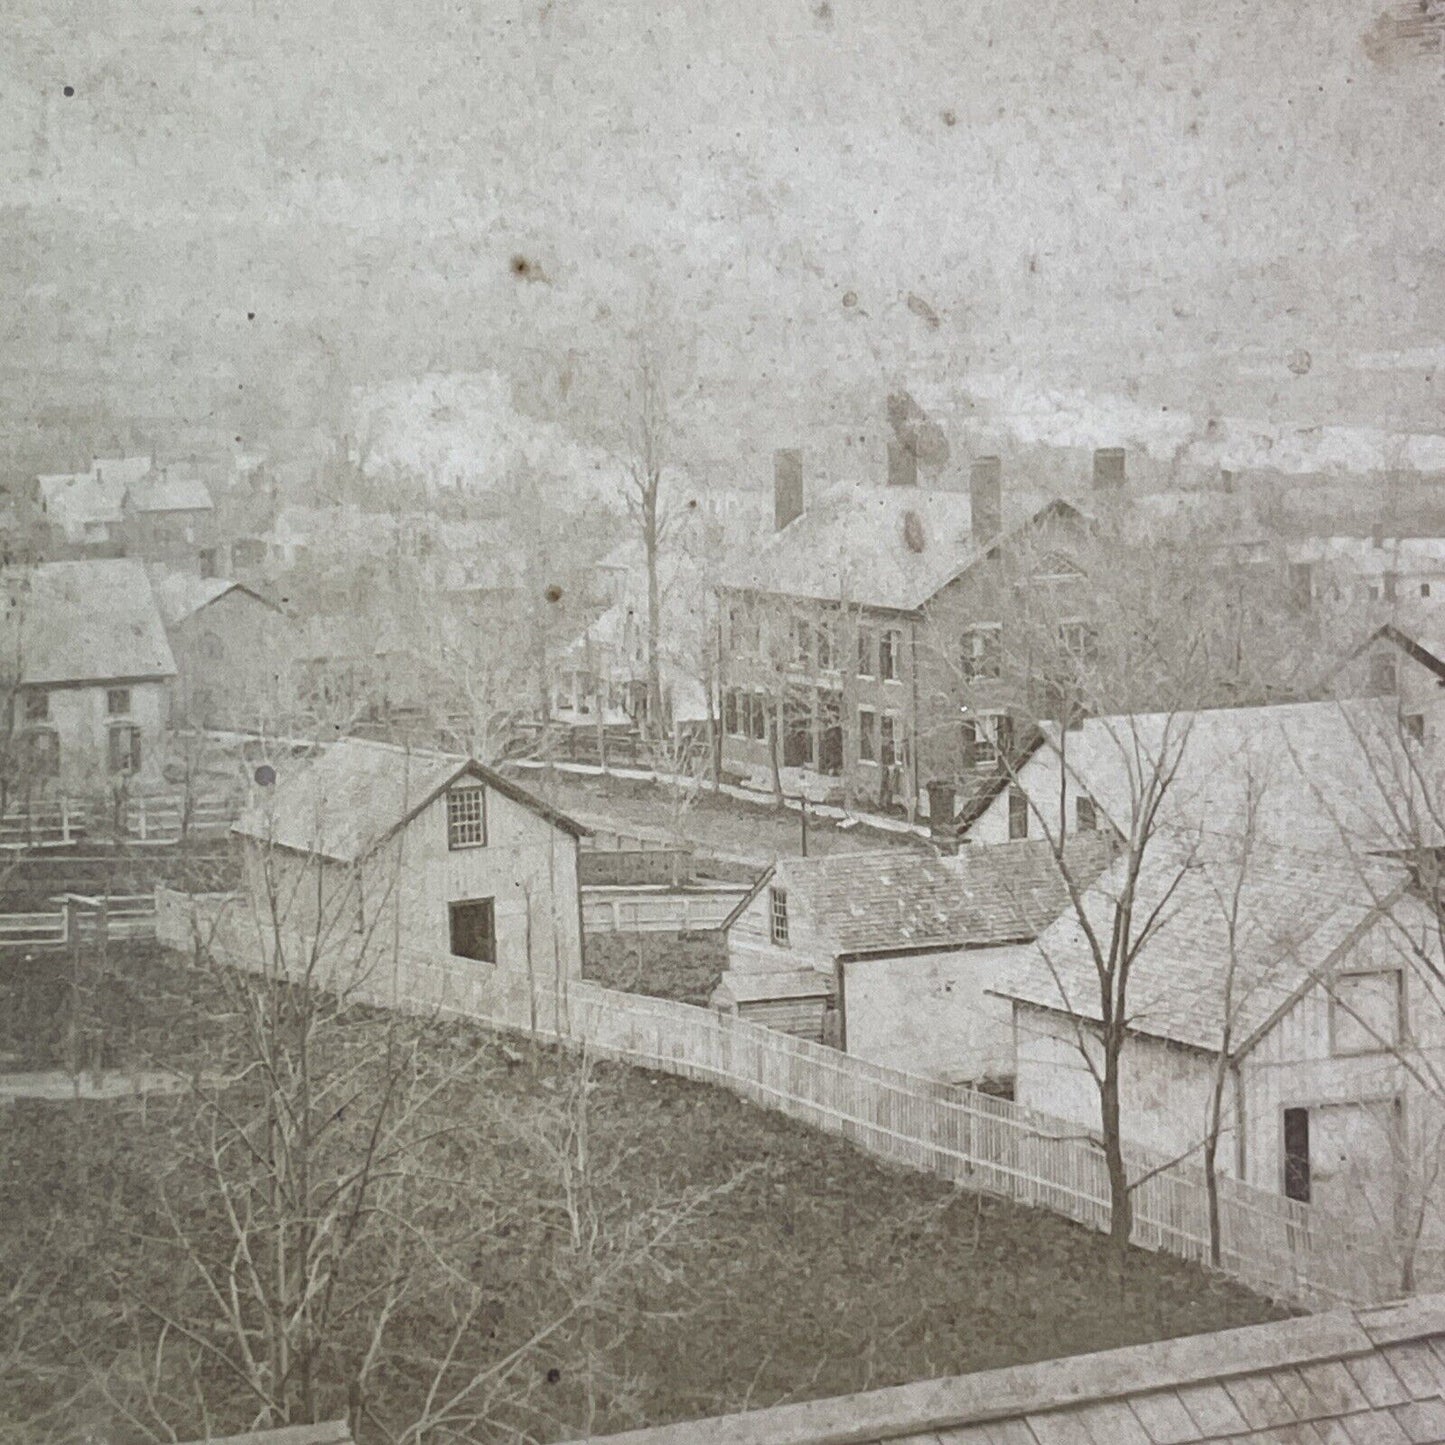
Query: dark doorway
x=474 y=929
x=1297 y=1155
x=830 y=733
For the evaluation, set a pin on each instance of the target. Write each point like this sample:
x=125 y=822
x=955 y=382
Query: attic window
x=117 y=702
x=1366 y=1012
x=466 y=817
x=778 y=916
x=1086 y=819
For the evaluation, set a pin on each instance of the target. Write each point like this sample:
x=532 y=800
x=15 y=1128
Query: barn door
x=1355 y=1157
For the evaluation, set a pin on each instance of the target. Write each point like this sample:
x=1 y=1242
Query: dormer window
x=467 y=817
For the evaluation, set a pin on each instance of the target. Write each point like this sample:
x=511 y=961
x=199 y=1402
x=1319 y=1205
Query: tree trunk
x=1121 y=1204
x=654 y=613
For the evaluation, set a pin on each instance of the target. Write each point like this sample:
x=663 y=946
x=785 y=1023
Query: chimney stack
x=1377 y=535
x=943 y=816
x=787 y=486
x=902 y=465
x=985 y=498
x=1109 y=472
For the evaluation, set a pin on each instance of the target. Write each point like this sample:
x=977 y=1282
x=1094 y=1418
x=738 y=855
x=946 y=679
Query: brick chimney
x=787 y=486
x=1109 y=473
x=942 y=816
x=902 y=465
x=985 y=498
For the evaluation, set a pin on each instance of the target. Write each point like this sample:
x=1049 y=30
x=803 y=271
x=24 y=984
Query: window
x=1018 y=813
x=1080 y=641
x=117 y=702
x=473 y=929
x=1365 y=1012
x=207 y=561
x=1391 y=586
x=1086 y=819
x=758 y=716
x=798 y=731
x=466 y=817
x=890 y=740
x=867 y=661
x=124 y=749
x=1424 y=589
x=890 y=651
x=1297 y=1155
x=1373 y=589
x=867 y=735
x=1414 y=725
x=802 y=651
x=1301 y=584
x=778 y=916
x=982 y=651
x=824 y=646
x=730 y=712
x=37 y=707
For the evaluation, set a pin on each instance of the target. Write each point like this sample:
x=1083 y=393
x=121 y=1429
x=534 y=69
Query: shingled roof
x=1295 y=913
x=84 y=622
x=889 y=902
x=1347 y=1377
x=345 y=803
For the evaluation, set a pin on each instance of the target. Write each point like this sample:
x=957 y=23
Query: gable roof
x=1412 y=649
x=1296 y=913
x=857 y=544
x=168 y=494
x=80 y=498
x=347 y=801
x=897 y=901
x=180 y=595
x=88 y=621
x=1349 y=1375
x=1312 y=773
x=121 y=472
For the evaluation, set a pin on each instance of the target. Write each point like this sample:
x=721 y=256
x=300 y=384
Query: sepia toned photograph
x=722 y=722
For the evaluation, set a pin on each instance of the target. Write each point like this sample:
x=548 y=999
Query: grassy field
x=681 y=966
x=802 y=1268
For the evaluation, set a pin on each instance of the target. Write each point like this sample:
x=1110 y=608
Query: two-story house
x=866 y=642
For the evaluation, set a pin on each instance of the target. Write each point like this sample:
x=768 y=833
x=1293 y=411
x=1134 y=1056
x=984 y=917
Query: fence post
x=141 y=818
x=64 y=819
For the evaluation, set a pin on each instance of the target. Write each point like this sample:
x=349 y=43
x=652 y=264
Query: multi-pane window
x=890 y=654
x=982 y=652
x=1018 y=813
x=867 y=652
x=466 y=817
x=778 y=916
x=37 y=707
x=1366 y=1012
x=117 y=702
x=867 y=735
x=1080 y=641
x=890 y=739
x=758 y=717
x=824 y=644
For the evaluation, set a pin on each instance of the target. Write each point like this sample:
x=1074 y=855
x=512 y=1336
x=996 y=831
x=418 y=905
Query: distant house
x=368 y=841
x=1309 y=772
x=234 y=649
x=83 y=510
x=1339 y=1378
x=93 y=670
x=864 y=639
x=1379 y=577
x=1303 y=983
x=170 y=519
x=889 y=954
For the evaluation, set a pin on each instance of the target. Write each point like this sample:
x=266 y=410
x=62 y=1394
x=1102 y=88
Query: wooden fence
x=162 y=819
x=647 y=910
x=80 y=918
x=1276 y=1246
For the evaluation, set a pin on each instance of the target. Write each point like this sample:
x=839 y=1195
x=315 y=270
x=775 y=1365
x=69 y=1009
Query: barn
x=888 y=954
x=369 y=847
x=1305 y=985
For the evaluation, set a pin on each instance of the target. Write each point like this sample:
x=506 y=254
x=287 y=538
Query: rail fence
x=163 y=819
x=644 y=910
x=80 y=918
x=1283 y=1249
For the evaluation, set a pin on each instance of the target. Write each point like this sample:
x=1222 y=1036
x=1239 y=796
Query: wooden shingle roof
x=1343 y=1378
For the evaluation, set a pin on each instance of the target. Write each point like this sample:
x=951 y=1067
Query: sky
x=809 y=199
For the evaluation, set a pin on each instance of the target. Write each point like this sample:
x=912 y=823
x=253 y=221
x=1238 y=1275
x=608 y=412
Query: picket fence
x=1288 y=1251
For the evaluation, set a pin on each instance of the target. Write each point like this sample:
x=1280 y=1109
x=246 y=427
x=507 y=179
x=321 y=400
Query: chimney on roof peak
x=1109 y=468
x=985 y=498
x=902 y=465
x=787 y=486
